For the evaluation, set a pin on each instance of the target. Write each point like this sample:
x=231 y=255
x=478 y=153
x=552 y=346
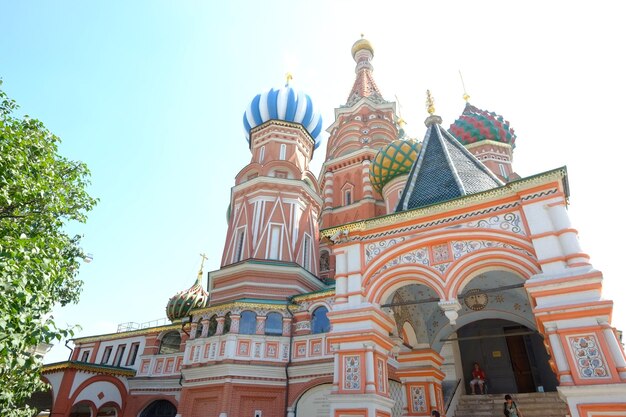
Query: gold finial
x=430 y=103
x=288 y=78
x=204 y=258
x=362 y=35
x=466 y=96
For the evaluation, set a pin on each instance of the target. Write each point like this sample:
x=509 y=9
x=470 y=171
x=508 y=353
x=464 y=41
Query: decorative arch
x=295 y=395
x=93 y=410
x=141 y=406
x=408 y=334
x=381 y=289
x=146 y=411
x=461 y=273
x=464 y=319
x=116 y=407
x=119 y=385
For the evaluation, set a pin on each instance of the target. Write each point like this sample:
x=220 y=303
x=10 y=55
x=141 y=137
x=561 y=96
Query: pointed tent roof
x=444 y=170
x=364 y=84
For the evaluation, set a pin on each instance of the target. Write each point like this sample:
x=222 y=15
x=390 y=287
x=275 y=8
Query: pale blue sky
x=150 y=94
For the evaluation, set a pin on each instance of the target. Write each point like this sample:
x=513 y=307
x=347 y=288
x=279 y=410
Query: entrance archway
x=159 y=408
x=512 y=355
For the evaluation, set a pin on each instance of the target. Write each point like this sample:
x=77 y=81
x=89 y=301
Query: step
x=535 y=404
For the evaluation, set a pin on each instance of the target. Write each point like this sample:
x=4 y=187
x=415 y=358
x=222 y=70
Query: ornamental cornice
x=283 y=123
x=487 y=142
x=315 y=295
x=87 y=367
x=139 y=332
x=507 y=190
x=237 y=305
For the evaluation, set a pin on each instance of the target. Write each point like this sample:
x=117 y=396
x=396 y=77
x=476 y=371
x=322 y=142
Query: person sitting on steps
x=478 y=377
x=510 y=408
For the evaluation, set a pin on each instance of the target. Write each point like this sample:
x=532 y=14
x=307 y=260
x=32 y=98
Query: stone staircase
x=535 y=404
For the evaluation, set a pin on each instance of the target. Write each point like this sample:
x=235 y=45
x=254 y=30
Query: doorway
x=513 y=356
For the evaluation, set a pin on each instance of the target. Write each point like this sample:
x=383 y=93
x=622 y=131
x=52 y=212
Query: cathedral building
x=371 y=289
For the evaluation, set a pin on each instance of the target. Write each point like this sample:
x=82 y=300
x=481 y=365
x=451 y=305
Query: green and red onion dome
x=475 y=125
x=393 y=160
x=183 y=302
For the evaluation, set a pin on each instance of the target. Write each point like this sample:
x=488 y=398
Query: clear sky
x=150 y=94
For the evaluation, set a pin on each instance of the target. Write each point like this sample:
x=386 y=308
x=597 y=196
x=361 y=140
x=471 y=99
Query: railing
x=453 y=401
x=131 y=325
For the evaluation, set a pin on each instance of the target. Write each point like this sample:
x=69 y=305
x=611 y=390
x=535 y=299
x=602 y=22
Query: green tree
x=40 y=192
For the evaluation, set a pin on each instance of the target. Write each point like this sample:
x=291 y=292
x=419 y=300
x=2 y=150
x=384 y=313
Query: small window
x=324 y=261
x=274 y=249
x=85 y=357
x=118 y=355
x=247 y=323
x=319 y=321
x=502 y=170
x=274 y=324
x=281 y=174
x=199 y=329
x=283 y=152
x=132 y=355
x=170 y=343
x=239 y=245
x=227 y=321
x=306 y=252
x=107 y=355
x=212 y=326
x=261 y=154
x=253 y=176
x=347 y=198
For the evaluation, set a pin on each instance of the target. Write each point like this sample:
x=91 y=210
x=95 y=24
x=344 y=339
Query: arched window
x=283 y=152
x=274 y=324
x=227 y=321
x=107 y=411
x=170 y=343
x=159 y=408
x=261 y=154
x=319 y=321
x=347 y=197
x=81 y=410
x=212 y=326
x=324 y=261
x=247 y=323
x=199 y=329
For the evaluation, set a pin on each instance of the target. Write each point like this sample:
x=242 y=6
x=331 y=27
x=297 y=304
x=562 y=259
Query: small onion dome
x=362 y=44
x=183 y=302
x=393 y=160
x=284 y=104
x=475 y=125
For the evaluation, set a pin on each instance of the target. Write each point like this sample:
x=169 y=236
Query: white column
x=335 y=349
x=370 y=385
x=614 y=347
x=559 y=354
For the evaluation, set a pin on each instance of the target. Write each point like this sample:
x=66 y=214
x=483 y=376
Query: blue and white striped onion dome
x=284 y=104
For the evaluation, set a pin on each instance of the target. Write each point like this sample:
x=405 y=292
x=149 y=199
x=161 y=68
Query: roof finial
x=466 y=96
x=430 y=103
x=204 y=258
x=400 y=121
x=288 y=78
x=430 y=106
x=362 y=35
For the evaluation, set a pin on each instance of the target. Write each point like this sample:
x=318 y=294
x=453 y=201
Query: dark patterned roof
x=444 y=170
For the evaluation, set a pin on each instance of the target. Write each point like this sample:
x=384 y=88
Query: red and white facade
x=379 y=313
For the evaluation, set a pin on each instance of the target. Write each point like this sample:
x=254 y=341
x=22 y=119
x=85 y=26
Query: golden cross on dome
x=288 y=78
x=204 y=258
x=466 y=96
x=430 y=103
